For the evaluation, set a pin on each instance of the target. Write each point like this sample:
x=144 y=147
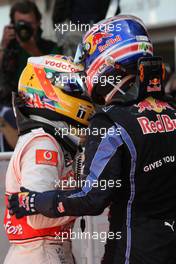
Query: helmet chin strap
x=55 y=124
x=58 y=125
x=117 y=88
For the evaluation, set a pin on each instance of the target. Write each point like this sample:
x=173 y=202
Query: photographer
x=21 y=39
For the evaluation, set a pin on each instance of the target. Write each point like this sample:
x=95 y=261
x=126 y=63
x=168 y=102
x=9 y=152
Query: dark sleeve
x=10 y=118
x=102 y=169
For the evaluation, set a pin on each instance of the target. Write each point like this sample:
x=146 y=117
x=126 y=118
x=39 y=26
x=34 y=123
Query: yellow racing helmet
x=52 y=87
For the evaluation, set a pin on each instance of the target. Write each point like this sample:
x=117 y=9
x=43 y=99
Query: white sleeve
x=38 y=174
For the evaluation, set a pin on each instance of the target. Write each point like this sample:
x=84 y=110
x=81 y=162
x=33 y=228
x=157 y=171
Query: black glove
x=22 y=203
x=29 y=203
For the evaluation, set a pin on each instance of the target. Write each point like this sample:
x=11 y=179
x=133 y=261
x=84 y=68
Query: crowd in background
x=22 y=38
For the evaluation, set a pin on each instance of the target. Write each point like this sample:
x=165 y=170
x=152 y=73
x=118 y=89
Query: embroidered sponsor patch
x=47 y=157
x=60 y=208
x=23 y=200
x=163 y=124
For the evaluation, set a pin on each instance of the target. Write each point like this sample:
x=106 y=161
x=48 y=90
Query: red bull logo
x=144 y=105
x=152 y=104
x=98 y=37
x=163 y=105
x=154 y=85
x=109 y=42
x=155 y=81
x=24 y=200
x=163 y=124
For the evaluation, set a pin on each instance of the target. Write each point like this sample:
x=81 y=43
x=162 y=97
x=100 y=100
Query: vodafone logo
x=47 y=155
x=60 y=65
x=12 y=229
x=163 y=124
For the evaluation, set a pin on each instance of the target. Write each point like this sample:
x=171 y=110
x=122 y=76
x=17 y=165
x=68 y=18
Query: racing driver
x=51 y=99
x=142 y=155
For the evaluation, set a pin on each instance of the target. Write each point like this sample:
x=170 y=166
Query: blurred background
x=160 y=19
x=158 y=15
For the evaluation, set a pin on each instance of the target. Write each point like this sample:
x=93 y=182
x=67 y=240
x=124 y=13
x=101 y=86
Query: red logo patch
x=23 y=200
x=47 y=157
x=61 y=208
x=163 y=124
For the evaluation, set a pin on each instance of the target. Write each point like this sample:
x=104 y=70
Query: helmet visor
x=70 y=83
x=81 y=52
